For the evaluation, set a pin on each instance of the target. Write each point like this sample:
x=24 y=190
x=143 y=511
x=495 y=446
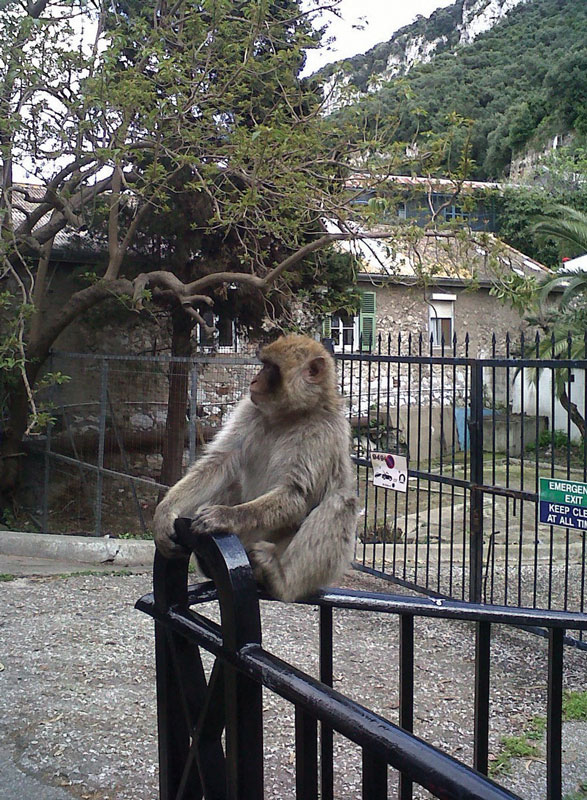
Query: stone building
x=441 y=285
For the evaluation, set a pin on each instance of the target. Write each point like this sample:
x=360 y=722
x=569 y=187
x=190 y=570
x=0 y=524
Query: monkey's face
x=266 y=383
x=297 y=375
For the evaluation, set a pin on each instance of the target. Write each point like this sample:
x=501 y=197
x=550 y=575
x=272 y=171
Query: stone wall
x=404 y=309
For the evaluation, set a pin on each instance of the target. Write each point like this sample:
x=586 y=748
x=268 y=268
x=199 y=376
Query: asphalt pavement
x=77 y=706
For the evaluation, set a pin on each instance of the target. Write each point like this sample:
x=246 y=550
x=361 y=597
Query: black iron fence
x=102 y=458
x=478 y=434
x=194 y=712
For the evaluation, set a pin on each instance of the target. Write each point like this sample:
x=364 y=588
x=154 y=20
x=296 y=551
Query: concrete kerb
x=82 y=549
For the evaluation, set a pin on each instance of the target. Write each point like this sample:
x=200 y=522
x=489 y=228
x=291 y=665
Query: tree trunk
x=177 y=404
x=573 y=412
x=11 y=436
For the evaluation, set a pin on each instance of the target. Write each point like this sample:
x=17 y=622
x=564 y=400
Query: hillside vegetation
x=521 y=83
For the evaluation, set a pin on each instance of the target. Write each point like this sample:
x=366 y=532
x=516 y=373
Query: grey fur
x=285 y=487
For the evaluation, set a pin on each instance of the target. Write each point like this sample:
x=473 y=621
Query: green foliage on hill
x=520 y=83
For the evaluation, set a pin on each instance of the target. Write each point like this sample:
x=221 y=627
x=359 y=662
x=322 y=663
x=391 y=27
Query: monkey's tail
x=321 y=550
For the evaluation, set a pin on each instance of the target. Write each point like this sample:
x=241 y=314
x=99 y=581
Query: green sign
x=563 y=502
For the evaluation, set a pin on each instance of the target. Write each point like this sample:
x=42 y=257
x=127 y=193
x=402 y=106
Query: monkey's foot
x=266 y=567
x=263 y=560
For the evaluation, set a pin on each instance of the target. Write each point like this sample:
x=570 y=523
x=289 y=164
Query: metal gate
x=478 y=434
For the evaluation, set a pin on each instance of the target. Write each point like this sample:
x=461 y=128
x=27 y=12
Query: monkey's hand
x=215 y=518
x=164 y=533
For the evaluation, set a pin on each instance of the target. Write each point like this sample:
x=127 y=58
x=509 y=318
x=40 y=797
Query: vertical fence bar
x=441 y=464
x=170 y=584
x=193 y=412
x=408 y=395
x=482 y=673
x=584 y=542
x=406 y=690
x=396 y=449
x=466 y=469
x=429 y=468
x=244 y=736
x=367 y=363
x=504 y=599
x=418 y=462
x=554 y=715
x=326 y=676
x=374 y=777
x=552 y=462
x=306 y=756
x=453 y=459
x=376 y=448
x=387 y=445
x=173 y=731
x=522 y=472
x=476 y=509
x=101 y=441
x=47 y=464
x=492 y=548
x=537 y=475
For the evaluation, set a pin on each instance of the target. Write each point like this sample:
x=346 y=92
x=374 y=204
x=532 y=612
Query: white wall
x=545 y=403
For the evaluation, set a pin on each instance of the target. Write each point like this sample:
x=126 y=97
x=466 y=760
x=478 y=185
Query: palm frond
x=577 y=285
x=568 y=230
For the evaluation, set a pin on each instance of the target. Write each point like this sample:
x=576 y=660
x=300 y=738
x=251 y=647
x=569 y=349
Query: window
x=342 y=331
x=453 y=212
x=224 y=339
x=441 y=319
x=351 y=332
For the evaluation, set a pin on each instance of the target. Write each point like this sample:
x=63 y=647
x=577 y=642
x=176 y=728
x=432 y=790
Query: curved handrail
x=225 y=561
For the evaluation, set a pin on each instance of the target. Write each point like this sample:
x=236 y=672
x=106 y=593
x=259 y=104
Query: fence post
x=47 y=464
x=101 y=441
x=224 y=559
x=46 y=480
x=475 y=423
x=193 y=411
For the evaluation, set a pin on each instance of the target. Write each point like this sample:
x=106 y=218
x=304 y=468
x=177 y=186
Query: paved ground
x=77 y=710
x=29 y=565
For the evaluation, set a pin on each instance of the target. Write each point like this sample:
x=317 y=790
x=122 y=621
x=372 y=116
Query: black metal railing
x=479 y=430
x=193 y=713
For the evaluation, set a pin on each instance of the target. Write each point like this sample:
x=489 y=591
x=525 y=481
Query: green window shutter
x=367 y=320
x=327 y=328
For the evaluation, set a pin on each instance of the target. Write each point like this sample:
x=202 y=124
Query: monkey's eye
x=272 y=375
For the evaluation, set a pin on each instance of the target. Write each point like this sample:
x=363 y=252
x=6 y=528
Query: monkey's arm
x=211 y=480
x=283 y=507
x=302 y=469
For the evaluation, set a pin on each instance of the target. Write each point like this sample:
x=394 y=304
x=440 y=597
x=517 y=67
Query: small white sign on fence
x=390 y=471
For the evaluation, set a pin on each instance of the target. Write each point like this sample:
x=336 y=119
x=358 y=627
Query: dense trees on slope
x=520 y=83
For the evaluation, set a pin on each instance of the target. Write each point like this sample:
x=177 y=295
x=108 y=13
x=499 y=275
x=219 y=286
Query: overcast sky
x=381 y=18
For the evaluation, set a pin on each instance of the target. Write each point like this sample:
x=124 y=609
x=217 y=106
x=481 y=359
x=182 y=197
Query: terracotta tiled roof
x=444 y=185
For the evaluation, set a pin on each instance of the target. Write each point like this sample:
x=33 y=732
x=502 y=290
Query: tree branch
x=78 y=303
x=190 y=293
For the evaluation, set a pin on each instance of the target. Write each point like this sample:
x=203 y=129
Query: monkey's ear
x=314 y=369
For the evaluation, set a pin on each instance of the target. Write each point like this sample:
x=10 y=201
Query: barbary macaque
x=278 y=475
